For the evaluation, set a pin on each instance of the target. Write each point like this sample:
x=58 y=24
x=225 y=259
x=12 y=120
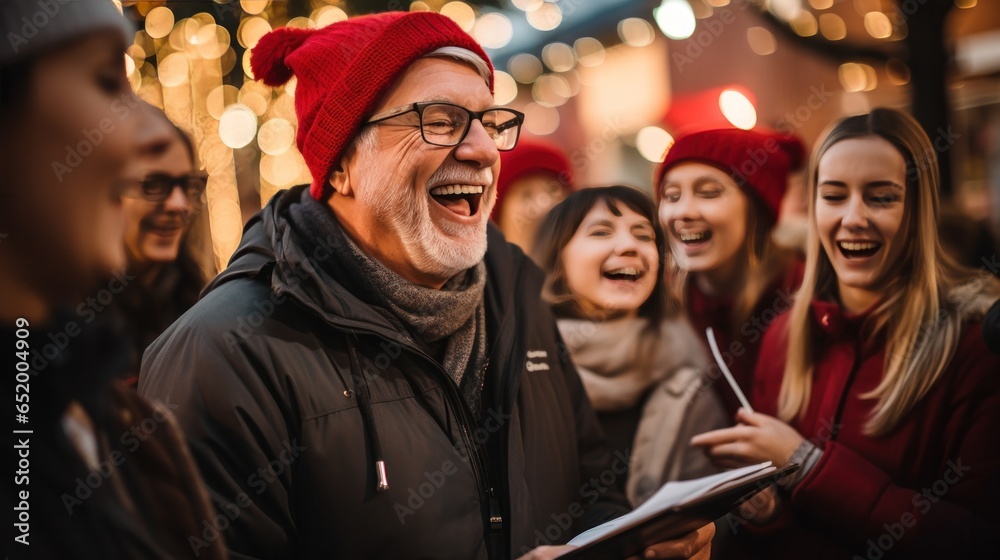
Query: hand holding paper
x=672 y=522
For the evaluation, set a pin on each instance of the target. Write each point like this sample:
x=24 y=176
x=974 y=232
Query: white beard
x=440 y=250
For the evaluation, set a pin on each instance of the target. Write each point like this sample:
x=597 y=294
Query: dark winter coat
x=136 y=495
x=291 y=388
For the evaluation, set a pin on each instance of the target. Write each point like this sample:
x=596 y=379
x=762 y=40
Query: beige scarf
x=621 y=360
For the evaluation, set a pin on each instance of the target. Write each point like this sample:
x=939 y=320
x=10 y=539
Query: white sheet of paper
x=669 y=495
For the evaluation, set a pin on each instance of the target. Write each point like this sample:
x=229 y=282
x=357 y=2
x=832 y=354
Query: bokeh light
x=159 y=22
x=493 y=31
x=897 y=72
x=551 y=90
x=636 y=32
x=559 y=57
x=832 y=27
x=281 y=170
x=878 y=25
x=461 y=13
x=652 y=143
x=276 y=136
x=504 y=88
x=589 y=51
x=174 y=70
x=525 y=68
x=852 y=77
x=761 y=41
x=254 y=7
x=786 y=10
x=805 y=25
x=528 y=5
x=238 y=126
x=220 y=98
x=546 y=17
x=540 y=120
x=251 y=30
x=328 y=15
x=675 y=19
x=737 y=109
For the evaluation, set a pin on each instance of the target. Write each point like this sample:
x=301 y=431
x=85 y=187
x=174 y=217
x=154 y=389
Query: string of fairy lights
x=189 y=66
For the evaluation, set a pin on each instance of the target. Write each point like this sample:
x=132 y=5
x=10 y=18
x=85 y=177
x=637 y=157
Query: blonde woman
x=878 y=381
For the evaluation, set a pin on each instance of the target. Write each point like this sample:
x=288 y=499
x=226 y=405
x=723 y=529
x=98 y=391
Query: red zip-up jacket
x=928 y=489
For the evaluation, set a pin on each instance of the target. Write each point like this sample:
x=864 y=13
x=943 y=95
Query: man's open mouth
x=858 y=249
x=691 y=238
x=463 y=200
x=626 y=273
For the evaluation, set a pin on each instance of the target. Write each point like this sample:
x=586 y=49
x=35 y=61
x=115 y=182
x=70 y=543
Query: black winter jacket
x=291 y=390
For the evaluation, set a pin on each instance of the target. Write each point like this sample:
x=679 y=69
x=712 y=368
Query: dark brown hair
x=560 y=226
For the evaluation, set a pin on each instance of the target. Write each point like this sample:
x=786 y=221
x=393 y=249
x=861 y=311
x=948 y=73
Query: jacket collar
x=835 y=321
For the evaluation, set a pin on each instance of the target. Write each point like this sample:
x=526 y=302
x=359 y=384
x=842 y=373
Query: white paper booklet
x=670 y=495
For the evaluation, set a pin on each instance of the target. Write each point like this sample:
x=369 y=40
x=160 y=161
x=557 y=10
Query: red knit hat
x=759 y=161
x=529 y=157
x=343 y=69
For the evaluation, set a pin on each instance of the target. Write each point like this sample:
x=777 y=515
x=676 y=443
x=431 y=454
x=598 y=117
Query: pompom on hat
x=527 y=158
x=343 y=70
x=757 y=161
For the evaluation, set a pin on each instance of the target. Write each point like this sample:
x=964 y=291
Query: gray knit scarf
x=450 y=322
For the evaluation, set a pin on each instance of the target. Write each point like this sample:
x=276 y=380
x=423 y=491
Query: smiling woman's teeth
x=693 y=236
x=858 y=246
x=629 y=273
x=629 y=270
x=457 y=189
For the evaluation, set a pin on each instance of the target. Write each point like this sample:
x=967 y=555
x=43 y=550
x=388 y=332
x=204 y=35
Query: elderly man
x=361 y=381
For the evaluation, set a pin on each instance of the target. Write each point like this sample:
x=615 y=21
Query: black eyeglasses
x=158 y=187
x=447 y=124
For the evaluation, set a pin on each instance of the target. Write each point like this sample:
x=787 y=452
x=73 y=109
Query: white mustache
x=454 y=175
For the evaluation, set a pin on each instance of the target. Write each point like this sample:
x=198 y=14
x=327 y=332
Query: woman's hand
x=763 y=508
x=756 y=439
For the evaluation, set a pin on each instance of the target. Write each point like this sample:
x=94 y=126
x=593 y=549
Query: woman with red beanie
x=877 y=382
x=719 y=194
x=534 y=177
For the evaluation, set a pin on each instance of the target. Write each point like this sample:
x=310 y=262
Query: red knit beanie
x=527 y=158
x=343 y=69
x=757 y=161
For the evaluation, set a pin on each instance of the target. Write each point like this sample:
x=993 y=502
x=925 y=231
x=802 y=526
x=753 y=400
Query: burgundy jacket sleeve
x=953 y=516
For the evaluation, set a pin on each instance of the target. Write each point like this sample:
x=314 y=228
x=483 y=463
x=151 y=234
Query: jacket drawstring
x=368 y=419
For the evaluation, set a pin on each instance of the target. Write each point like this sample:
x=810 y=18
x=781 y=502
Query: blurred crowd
x=447 y=347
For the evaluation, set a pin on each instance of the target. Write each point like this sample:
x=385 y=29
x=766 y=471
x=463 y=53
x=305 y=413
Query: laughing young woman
x=641 y=366
x=878 y=381
x=719 y=195
x=166 y=241
x=100 y=486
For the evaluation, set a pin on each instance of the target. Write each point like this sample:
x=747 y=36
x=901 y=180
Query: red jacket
x=930 y=488
x=739 y=344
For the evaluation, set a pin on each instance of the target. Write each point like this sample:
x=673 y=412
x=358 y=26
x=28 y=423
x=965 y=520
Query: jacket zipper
x=492 y=517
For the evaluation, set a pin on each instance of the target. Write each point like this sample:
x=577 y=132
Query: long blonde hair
x=920 y=323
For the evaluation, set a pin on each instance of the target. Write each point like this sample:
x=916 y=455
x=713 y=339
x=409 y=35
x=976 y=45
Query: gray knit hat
x=30 y=26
